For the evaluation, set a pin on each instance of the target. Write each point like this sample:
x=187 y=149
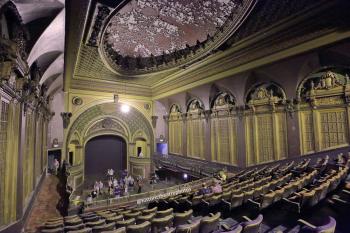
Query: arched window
x=265 y=124
x=224 y=129
x=175 y=130
x=323 y=99
x=195 y=127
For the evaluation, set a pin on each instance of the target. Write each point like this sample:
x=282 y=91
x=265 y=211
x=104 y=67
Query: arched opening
x=102 y=153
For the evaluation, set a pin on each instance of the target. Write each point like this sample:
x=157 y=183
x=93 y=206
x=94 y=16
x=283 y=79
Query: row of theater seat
x=260 y=188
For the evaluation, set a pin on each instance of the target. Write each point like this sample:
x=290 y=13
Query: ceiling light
x=125 y=108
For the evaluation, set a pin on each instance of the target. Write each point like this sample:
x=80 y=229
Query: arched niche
x=106 y=119
x=223 y=121
x=323 y=99
x=265 y=123
x=195 y=128
x=142 y=144
x=175 y=126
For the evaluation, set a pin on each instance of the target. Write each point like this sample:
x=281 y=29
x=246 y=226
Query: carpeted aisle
x=44 y=206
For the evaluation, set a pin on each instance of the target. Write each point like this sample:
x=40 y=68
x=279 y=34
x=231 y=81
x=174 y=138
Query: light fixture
x=125 y=108
x=185 y=176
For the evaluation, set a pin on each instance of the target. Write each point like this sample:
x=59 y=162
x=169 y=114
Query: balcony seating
x=159 y=224
x=85 y=230
x=96 y=223
x=329 y=227
x=149 y=211
x=114 y=219
x=125 y=223
x=104 y=227
x=192 y=227
x=92 y=218
x=252 y=226
x=139 y=228
x=143 y=218
x=163 y=213
x=54 y=230
x=132 y=215
x=119 y=230
x=74 y=228
x=210 y=223
x=263 y=202
x=236 y=200
x=182 y=218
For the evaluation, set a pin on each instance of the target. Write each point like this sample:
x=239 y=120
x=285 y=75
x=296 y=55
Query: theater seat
x=252 y=226
x=159 y=224
x=85 y=230
x=329 y=227
x=125 y=223
x=191 y=227
x=105 y=227
x=148 y=211
x=139 y=228
x=210 y=223
x=163 y=213
x=143 y=218
x=182 y=218
x=119 y=230
x=54 y=230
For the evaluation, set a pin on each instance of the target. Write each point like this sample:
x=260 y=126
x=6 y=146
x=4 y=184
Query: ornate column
x=207 y=135
x=184 y=133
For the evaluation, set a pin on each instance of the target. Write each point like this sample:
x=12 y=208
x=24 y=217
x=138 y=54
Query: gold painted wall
x=175 y=130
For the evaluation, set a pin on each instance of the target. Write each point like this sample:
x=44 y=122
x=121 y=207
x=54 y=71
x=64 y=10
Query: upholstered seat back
x=252 y=226
x=268 y=199
x=139 y=228
x=159 y=224
x=189 y=228
x=328 y=228
x=181 y=218
x=237 y=200
x=248 y=195
x=210 y=223
x=125 y=223
x=132 y=215
x=226 y=195
x=143 y=218
x=105 y=227
x=114 y=219
x=119 y=230
x=148 y=211
x=163 y=213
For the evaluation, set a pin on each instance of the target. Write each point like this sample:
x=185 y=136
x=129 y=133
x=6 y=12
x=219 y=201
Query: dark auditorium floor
x=44 y=206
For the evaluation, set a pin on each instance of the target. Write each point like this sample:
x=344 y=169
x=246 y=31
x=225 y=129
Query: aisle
x=44 y=206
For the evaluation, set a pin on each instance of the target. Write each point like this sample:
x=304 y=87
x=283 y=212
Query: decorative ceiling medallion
x=144 y=36
x=77 y=100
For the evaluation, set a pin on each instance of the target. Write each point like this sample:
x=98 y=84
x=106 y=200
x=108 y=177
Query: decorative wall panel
x=175 y=131
x=334 y=128
x=4 y=106
x=307 y=132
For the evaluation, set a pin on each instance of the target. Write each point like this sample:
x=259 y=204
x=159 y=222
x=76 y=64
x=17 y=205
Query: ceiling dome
x=148 y=35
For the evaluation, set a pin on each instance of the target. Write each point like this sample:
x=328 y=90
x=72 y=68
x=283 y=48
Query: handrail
x=144 y=197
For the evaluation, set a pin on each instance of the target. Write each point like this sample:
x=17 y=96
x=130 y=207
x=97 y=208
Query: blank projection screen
x=104 y=152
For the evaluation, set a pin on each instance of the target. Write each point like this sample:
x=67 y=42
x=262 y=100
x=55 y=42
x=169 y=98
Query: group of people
x=216 y=188
x=115 y=187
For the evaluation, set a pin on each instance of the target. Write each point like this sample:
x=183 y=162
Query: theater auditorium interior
x=174 y=116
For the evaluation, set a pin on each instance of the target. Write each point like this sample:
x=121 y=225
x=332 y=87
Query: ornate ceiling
x=146 y=27
x=151 y=47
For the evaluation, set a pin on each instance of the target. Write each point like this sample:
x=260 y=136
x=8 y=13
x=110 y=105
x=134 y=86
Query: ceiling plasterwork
x=143 y=36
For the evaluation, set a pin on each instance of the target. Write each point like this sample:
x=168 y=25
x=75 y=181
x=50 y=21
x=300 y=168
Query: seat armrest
x=225 y=227
x=189 y=202
x=211 y=214
x=346 y=191
x=246 y=218
x=205 y=202
x=306 y=223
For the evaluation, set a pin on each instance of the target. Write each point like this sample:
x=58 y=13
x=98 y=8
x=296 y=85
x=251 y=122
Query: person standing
x=56 y=166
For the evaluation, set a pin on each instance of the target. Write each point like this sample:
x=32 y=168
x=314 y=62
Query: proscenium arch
x=134 y=119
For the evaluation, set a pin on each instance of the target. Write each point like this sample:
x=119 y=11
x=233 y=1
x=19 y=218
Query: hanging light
x=125 y=108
